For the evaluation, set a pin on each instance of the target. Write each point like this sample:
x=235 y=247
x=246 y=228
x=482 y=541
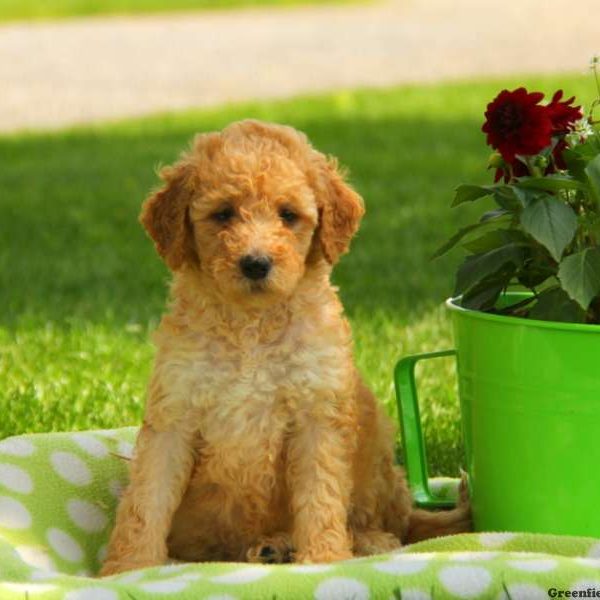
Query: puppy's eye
x=288 y=216
x=224 y=215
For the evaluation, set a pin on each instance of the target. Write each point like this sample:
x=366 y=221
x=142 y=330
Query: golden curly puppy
x=260 y=441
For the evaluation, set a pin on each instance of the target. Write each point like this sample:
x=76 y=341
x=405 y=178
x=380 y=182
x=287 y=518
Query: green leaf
x=576 y=164
x=478 y=267
x=465 y=231
x=579 y=275
x=490 y=215
x=469 y=193
x=534 y=273
x=551 y=222
x=593 y=173
x=510 y=198
x=484 y=295
x=459 y=235
x=550 y=183
x=590 y=222
x=494 y=239
x=554 y=304
x=589 y=149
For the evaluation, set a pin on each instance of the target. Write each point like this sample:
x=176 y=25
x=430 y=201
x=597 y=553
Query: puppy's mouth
x=258 y=287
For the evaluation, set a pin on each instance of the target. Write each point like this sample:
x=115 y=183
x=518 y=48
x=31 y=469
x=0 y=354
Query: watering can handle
x=415 y=457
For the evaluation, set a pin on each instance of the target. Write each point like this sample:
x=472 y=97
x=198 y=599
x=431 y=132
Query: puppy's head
x=252 y=207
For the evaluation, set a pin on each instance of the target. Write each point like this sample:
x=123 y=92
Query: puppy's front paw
x=276 y=549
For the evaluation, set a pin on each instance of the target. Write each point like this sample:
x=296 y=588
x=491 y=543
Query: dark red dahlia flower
x=562 y=114
x=517 y=124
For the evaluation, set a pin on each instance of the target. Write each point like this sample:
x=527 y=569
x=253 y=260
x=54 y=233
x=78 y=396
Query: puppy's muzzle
x=255 y=267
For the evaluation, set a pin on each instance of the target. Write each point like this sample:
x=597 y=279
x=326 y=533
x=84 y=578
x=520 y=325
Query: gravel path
x=61 y=73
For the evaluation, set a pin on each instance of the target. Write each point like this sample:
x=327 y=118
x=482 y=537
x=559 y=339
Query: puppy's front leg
x=159 y=475
x=319 y=478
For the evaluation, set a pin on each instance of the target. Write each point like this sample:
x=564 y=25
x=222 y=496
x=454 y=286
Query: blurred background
x=94 y=94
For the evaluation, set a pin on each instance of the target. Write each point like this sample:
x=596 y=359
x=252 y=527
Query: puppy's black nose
x=255 y=267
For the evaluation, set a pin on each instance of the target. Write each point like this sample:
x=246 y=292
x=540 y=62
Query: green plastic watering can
x=529 y=395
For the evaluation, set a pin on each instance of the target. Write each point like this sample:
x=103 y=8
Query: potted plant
x=526 y=318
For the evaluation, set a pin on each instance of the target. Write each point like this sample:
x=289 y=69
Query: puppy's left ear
x=165 y=217
x=340 y=211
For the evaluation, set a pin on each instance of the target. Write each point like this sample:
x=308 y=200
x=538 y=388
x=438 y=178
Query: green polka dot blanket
x=58 y=494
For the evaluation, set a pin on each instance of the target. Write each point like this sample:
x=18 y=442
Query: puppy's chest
x=257 y=386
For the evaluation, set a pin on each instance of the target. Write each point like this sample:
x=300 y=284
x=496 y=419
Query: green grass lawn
x=42 y=9
x=81 y=286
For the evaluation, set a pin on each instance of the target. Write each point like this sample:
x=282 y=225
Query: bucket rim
x=451 y=304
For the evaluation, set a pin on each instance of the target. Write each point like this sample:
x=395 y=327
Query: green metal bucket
x=530 y=402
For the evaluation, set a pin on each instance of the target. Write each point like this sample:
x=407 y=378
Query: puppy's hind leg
x=414 y=524
x=374 y=541
x=424 y=524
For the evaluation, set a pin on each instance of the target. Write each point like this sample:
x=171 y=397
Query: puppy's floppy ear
x=340 y=211
x=165 y=217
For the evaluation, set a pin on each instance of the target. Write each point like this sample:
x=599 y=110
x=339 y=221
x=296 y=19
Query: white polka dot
x=523 y=591
x=403 y=565
x=15 y=479
x=64 y=545
x=310 y=568
x=93 y=446
x=465 y=581
x=116 y=487
x=71 y=468
x=243 y=575
x=87 y=516
x=168 y=586
x=125 y=449
x=412 y=594
x=169 y=569
x=585 y=584
x=13 y=515
x=190 y=576
x=493 y=540
x=107 y=432
x=588 y=562
x=594 y=551
x=131 y=577
x=467 y=556
x=43 y=575
x=341 y=588
x=92 y=593
x=17 y=447
x=36 y=557
x=538 y=565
